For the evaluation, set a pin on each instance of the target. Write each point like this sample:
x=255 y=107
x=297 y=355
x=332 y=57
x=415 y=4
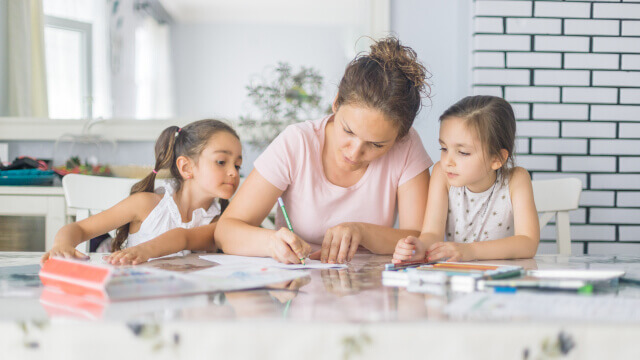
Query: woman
x=341 y=176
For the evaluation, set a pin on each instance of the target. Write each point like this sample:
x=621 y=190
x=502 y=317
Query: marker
x=286 y=218
x=505 y=289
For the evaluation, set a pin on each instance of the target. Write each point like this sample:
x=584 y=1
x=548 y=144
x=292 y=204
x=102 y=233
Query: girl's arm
x=172 y=241
x=412 y=201
x=126 y=211
x=524 y=243
x=238 y=230
x=435 y=220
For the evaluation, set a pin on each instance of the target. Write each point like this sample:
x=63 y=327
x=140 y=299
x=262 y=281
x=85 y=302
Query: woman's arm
x=524 y=243
x=341 y=242
x=172 y=241
x=238 y=230
x=412 y=201
x=124 y=212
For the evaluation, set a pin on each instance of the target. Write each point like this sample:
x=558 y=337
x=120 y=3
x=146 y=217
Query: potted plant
x=281 y=98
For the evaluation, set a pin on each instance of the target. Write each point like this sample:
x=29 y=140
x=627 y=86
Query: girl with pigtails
x=204 y=159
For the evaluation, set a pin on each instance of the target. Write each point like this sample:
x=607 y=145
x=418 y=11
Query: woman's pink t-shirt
x=293 y=164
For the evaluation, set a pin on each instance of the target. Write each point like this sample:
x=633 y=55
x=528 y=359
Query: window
x=68 y=49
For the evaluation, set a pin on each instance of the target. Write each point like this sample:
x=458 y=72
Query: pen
x=286 y=218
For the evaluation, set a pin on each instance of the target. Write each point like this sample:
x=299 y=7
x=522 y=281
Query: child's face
x=217 y=169
x=361 y=135
x=463 y=158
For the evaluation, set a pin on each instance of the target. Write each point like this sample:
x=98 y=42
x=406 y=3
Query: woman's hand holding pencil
x=288 y=248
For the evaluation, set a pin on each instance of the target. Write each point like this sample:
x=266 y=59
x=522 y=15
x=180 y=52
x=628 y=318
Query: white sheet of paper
x=251 y=261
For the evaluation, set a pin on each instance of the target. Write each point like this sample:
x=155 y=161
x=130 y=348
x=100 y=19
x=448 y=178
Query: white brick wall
x=489 y=25
x=616 y=11
x=509 y=77
x=631 y=28
x=571 y=70
x=629 y=233
x=630 y=62
x=630 y=96
x=558 y=146
x=533 y=26
x=630 y=131
x=559 y=9
x=590 y=95
x=615 y=147
x=538 y=129
x=538 y=162
x=597 y=198
x=616 y=181
x=589 y=163
x=630 y=164
x=535 y=60
x=591 y=61
x=488 y=59
x=561 y=111
x=561 y=43
x=591 y=27
x=503 y=8
x=588 y=129
x=616 y=44
x=503 y=42
x=532 y=94
x=628 y=198
x=561 y=77
x=616 y=78
x=615 y=112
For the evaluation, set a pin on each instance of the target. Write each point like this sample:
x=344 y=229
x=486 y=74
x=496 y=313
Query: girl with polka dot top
x=479 y=205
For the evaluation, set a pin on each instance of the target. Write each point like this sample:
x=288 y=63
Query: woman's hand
x=449 y=251
x=341 y=243
x=130 y=256
x=65 y=251
x=409 y=249
x=287 y=247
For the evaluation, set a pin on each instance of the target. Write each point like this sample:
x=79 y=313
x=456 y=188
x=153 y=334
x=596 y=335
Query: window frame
x=85 y=30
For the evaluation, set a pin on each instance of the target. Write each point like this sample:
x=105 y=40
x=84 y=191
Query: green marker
x=286 y=218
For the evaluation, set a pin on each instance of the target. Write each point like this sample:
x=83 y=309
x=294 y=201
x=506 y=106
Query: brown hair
x=172 y=143
x=494 y=122
x=390 y=79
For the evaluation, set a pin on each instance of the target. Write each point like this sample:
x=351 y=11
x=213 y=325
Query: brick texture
x=571 y=70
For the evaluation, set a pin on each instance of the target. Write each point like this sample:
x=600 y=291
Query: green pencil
x=286 y=218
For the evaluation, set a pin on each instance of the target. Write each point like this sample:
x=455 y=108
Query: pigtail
x=165 y=158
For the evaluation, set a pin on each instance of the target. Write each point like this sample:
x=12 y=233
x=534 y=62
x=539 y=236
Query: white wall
x=215 y=62
x=439 y=31
x=4 y=59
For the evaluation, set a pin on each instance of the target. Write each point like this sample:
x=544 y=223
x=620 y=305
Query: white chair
x=87 y=195
x=557 y=197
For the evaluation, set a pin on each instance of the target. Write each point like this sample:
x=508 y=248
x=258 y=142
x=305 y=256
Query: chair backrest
x=557 y=197
x=88 y=195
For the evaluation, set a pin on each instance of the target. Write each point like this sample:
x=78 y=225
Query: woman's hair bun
x=390 y=53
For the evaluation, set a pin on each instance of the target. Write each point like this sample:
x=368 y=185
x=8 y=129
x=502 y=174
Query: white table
x=47 y=201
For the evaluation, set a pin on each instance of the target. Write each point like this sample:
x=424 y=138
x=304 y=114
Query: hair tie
x=154 y=171
x=178 y=132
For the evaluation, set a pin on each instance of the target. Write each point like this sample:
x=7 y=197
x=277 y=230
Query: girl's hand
x=65 y=251
x=409 y=249
x=287 y=247
x=449 y=251
x=341 y=243
x=130 y=256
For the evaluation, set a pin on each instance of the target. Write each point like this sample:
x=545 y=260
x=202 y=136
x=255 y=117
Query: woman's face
x=361 y=135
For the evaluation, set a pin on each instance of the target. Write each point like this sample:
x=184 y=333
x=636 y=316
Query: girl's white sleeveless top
x=480 y=216
x=166 y=216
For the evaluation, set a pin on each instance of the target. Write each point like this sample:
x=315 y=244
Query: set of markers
x=460 y=276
